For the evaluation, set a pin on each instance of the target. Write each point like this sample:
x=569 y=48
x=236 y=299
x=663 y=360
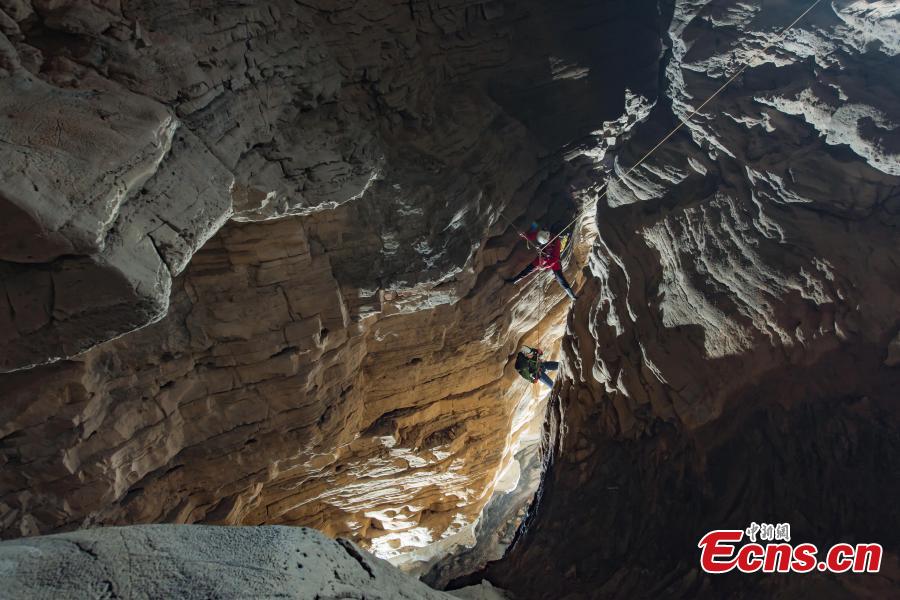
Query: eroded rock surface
x=135 y=129
x=265 y=242
x=736 y=360
x=310 y=212
x=166 y=561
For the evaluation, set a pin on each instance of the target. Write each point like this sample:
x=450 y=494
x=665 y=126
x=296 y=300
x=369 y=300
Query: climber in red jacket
x=549 y=258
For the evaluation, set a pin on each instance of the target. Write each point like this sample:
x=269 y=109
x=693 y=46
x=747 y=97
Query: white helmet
x=543 y=237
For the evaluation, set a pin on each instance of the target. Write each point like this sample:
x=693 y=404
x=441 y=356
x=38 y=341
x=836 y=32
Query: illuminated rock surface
x=737 y=360
x=260 y=248
x=253 y=259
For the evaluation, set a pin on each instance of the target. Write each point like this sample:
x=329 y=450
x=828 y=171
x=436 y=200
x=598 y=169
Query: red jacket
x=549 y=258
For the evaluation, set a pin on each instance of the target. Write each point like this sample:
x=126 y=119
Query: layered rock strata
x=257 y=251
x=735 y=362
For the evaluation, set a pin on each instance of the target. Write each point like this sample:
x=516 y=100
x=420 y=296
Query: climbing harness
x=681 y=123
x=529 y=364
x=565 y=248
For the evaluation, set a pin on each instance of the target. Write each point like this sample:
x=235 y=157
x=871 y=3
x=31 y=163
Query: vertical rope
x=540 y=320
x=605 y=187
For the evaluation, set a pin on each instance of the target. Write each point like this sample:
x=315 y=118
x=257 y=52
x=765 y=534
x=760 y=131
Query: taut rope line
x=683 y=122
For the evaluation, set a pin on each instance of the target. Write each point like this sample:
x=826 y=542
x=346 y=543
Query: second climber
x=531 y=365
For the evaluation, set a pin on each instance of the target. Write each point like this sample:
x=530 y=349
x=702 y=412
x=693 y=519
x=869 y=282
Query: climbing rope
x=683 y=122
x=539 y=250
x=540 y=356
x=540 y=253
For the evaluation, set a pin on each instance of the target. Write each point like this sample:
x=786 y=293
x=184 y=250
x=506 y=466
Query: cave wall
x=137 y=129
x=253 y=253
x=252 y=261
x=737 y=359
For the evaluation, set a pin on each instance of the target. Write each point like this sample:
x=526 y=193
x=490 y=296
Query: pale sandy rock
x=266 y=396
x=338 y=354
x=165 y=561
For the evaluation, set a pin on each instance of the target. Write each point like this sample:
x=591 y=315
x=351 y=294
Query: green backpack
x=528 y=366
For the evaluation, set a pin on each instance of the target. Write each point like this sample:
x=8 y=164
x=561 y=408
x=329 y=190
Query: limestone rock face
x=104 y=197
x=166 y=561
x=736 y=361
x=252 y=258
x=265 y=243
x=135 y=129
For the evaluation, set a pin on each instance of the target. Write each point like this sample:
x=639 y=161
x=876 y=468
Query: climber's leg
x=563 y=283
x=522 y=274
x=550 y=365
x=545 y=379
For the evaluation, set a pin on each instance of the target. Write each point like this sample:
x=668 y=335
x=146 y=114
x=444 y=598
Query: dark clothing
x=556 y=273
x=564 y=284
x=528 y=363
x=522 y=274
x=531 y=367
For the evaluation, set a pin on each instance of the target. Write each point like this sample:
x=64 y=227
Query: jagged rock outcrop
x=271 y=275
x=252 y=261
x=497 y=526
x=158 y=120
x=734 y=363
x=166 y=561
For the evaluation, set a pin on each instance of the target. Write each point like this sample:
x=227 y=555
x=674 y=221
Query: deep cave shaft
x=262 y=264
